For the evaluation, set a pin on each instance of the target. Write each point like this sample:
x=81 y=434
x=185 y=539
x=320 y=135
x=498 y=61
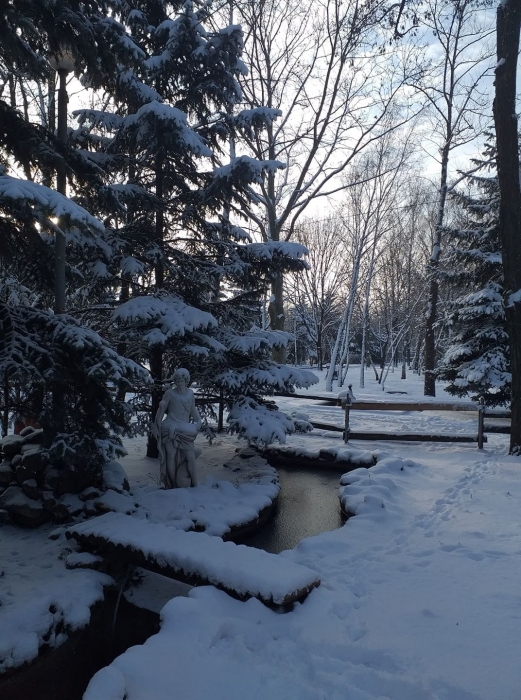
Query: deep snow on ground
x=41 y=599
x=419 y=600
x=420 y=596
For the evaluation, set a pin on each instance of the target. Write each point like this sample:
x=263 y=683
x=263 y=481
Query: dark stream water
x=307 y=505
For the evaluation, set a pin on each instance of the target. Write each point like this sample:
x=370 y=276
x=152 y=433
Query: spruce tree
x=477 y=362
x=193 y=278
x=54 y=369
x=156 y=262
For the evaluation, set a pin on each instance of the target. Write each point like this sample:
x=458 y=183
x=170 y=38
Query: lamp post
x=63 y=63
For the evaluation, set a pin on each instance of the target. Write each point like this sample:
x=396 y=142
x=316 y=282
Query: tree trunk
x=156 y=370
x=505 y=118
x=156 y=351
x=61 y=186
x=417 y=353
x=429 y=386
x=124 y=296
x=277 y=317
x=5 y=413
x=48 y=172
x=320 y=359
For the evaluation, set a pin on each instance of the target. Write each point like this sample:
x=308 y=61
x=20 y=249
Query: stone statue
x=175 y=434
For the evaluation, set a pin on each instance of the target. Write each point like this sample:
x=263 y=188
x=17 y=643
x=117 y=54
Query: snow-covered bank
x=41 y=600
x=419 y=601
x=215 y=506
x=419 y=598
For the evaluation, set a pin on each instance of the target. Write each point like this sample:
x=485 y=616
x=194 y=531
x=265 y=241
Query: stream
x=307 y=505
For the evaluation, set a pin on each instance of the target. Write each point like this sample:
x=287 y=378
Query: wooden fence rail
x=349 y=404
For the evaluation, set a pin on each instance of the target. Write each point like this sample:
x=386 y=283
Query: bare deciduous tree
x=316 y=293
x=320 y=64
x=452 y=88
x=368 y=216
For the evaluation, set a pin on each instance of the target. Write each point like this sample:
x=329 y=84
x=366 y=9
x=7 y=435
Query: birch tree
x=367 y=218
x=320 y=65
x=316 y=292
x=455 y=93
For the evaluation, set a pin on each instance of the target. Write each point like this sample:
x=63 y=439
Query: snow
x=275 y=377
x=96 y=117
x=82 y=559
x=332 y=455
x=35 y=579
x=47 y=201
x=419 y=597
x=143 y=91
x=244 y=488
x=173 y=316
x=260 y=116
x=38 y=594
x=245 y=570
x=256 y=339
x=514 y=298
x=175 y=118
x=289 y=249
x=253 y=167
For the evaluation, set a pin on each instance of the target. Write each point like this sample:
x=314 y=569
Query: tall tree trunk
x=417 y=353
x=344 y=327
x=276 y=306
x=5 y=413
x=365 y=313
x=505 y=118
x=124 y=296
x=48 y=172
x=429 y=387
x=60 y=243
x=156 y=351
x=320 y=359
x=276 y=311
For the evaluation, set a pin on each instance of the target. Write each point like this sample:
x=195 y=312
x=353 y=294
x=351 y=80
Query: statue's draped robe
x=174 y=473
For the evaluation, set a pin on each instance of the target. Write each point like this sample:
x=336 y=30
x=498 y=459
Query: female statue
x=175 y=434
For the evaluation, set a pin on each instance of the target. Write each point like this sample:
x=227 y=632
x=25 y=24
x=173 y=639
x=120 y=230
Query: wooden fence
x=349 y=405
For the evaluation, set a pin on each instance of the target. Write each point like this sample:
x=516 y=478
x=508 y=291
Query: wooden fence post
x=481 y=423
x=346 y=419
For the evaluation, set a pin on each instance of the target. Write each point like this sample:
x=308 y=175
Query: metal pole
x=61 y=186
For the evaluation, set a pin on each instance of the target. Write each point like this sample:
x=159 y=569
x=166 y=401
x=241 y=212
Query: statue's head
x=181 y=377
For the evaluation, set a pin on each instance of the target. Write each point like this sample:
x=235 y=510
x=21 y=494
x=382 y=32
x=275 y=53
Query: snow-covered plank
x=320 y=425
x=197 y=558
x=411 y=406
x=414 y=437
x=407 y=437
x=328 y=400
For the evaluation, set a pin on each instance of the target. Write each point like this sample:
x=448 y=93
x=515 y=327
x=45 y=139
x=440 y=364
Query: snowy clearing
x=419 y=597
